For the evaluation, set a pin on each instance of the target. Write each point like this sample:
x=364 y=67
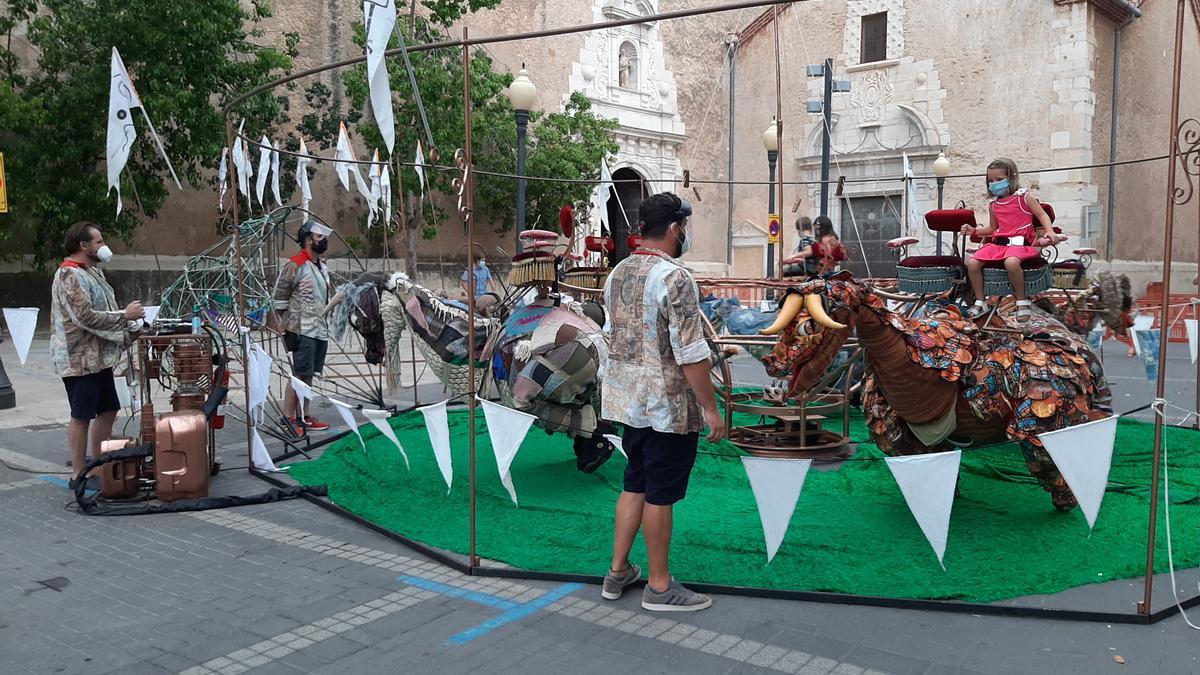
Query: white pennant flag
x=776 y=484
x=122 y=99
x=910 y=193
x=259 y=377
x=151 y=313
x=376 y=193
x=506 y=428
x=419 y=165
x=379 y=418
x=603 y=192
x=437 y=425
x=1193 y=338
x=616 y=441
x=927 y=483
x=302 y=163
x=347 y=412
x=385 y=183
x=21 y=323
x=1139 y=323
x=380 y=18
x=264 y=168
x=275 y=174
x=258 y=453
x=241 y=164
x=304 y=393
x=223 y=178
x=346 y=164
x=1083 y=455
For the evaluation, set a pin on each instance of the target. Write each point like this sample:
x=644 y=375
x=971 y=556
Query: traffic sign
x=774 y=229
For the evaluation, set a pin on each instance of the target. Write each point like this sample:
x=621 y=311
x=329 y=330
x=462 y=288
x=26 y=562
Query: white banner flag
x=122 y=99
x=264 y=168
x=347 y=412
x=379 y=17
x=1083 y=455
x=910 y=194
x=375 y=190
x=21 y=323
x=346 y=164
x=616 y=441
x=1139 y=323
x=776 y=484
x=259 y=454
x=223 y=179
x=379 y=418
x=437 y=425
x=420 y=166
x=385 y=183
x=241 y=165
x=275 y=174
x=602 y=195
x=927 y=483
x=151 y=313
x=1193 y=337
x=304 y=393
x=506 y=428
x=302 y=163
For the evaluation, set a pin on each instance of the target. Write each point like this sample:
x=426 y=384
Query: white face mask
x=104 y=253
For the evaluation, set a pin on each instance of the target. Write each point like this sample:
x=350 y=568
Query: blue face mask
x=999 y=188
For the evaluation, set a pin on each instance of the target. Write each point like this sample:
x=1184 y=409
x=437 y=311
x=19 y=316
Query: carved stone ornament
x=871 y=95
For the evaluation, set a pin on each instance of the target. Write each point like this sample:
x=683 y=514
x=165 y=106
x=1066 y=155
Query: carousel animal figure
x=543 y=357
x=940 y=380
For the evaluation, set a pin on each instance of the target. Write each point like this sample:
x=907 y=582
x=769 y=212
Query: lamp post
x=941 y=169
x=770 y=139
x=522 y=94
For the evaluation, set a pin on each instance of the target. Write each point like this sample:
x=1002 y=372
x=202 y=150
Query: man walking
x=299 y=300
x=90 y=334
x=657 y=385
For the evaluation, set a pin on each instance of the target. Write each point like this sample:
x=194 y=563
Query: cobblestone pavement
x=288 y=587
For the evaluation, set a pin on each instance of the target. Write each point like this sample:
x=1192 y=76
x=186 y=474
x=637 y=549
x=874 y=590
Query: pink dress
x=1013 y=219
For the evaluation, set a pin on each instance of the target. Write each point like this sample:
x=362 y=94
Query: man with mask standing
x=90 y=334
x=299 y=300
x=657 y=385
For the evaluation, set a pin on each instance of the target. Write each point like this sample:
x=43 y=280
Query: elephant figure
x=939 y=380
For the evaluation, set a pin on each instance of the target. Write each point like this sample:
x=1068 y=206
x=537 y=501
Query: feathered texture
x=340 y=316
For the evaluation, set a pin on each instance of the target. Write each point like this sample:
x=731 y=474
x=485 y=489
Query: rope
x=1158 y=406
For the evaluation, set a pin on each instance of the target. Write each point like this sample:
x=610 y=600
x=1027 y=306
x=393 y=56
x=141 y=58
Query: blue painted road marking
x=513 y=611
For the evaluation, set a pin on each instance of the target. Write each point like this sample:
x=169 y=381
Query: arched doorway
x=623 y=207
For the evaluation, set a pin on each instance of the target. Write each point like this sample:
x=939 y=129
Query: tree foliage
x=568 y=144
x=186 y=59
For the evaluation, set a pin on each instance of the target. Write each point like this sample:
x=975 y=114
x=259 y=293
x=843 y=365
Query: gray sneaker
x=675 y=599
x=615 y=585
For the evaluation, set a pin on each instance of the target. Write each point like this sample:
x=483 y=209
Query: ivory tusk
x=817 y=311
x=789 y=310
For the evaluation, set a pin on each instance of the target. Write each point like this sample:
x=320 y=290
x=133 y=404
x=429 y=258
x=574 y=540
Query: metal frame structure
x=1186 y=133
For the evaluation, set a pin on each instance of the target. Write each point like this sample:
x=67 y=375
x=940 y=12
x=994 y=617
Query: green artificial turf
x=852 y=531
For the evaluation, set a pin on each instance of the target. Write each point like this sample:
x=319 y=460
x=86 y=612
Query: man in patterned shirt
x=656 y=383
x=299 y=300
x=90 y=334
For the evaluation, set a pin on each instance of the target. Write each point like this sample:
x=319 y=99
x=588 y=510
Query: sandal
x=978 y=309
x=1024 y=312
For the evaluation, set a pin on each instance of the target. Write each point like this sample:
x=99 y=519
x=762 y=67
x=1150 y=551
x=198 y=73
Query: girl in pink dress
x=1013 y=212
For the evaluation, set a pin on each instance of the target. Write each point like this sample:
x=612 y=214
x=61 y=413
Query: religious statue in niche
x=627 y=66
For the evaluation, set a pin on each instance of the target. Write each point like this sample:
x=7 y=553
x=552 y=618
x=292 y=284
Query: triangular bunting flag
x=347 y=412
x=223 y=178
x=1139 y=323
x=304 y=393
x=379 y=418
x=1193 y=338
x=506 y=428
x=437 y=425
x=927 y=483
x=264 y=168
x=385 y=184
x=776 y=484
x=1083 y=455
x=1149 y=346
x=21 y=323
x=419 y=165
x=151 y=313
x=616 y=441
x=275 y=174
x=302 y=163
x=258 y=453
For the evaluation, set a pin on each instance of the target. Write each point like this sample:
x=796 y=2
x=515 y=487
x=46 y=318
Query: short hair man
x=90 y=334
x=657 y=385
x=299 y=300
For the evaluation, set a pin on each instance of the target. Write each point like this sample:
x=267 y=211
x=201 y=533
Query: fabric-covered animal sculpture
x=939 y=379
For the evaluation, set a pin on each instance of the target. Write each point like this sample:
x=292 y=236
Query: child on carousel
x=1014 y=240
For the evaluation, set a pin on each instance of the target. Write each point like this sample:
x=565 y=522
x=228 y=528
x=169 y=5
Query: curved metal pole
x=1164 y=321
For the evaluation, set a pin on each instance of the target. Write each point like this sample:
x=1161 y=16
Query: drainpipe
x=731 y=40
x=1134 y=13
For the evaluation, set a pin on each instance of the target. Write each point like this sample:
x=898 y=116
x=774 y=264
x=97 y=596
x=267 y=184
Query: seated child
x=1013 y=212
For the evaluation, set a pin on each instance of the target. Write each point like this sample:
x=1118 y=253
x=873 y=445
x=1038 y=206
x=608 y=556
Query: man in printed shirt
x=656 y=384
x=90 y=334
x=300 y=297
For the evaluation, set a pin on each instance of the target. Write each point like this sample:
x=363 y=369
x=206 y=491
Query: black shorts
x=309 y=356
x=659 y=463
x=91 y=395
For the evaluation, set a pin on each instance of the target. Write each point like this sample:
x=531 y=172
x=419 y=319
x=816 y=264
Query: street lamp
x=941 y=169
x=770 y=139
x=523 y=95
